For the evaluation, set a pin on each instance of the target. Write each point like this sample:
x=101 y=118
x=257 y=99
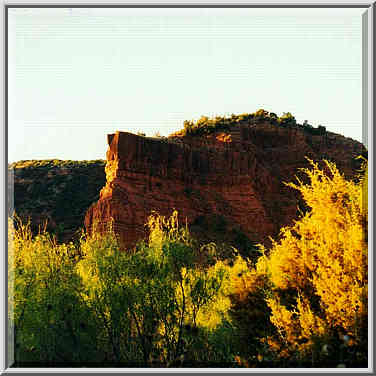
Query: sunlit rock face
x=237 y=175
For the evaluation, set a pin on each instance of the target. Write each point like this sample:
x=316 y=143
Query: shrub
x=46 y=312
x=146 y=300
x=158 y=304
x=318 y=272
x=206 y=125
x=287 y=119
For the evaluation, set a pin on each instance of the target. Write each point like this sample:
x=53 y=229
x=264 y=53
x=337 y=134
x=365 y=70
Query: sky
x=76 y=75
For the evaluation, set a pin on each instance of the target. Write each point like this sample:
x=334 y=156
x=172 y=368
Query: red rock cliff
x=237 y=174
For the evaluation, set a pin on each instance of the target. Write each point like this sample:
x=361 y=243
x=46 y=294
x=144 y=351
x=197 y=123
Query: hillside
x=55 y=191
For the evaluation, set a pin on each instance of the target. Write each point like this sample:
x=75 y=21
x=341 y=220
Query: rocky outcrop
x=236 y=175
x=53 y=192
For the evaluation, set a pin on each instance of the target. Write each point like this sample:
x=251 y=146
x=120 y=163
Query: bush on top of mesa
x=205 y=125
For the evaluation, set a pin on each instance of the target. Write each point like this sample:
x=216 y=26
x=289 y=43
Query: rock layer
x=236 y=174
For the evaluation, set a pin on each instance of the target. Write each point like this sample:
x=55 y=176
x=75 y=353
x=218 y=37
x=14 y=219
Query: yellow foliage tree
x=318 y=269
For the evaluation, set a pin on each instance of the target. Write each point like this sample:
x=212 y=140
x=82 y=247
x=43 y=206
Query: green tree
x=147 y=299
x=46 y=312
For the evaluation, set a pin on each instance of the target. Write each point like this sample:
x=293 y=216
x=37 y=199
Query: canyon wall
x=236 y=175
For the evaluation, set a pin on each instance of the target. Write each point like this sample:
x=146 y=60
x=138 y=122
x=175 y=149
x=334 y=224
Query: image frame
x=368 y=138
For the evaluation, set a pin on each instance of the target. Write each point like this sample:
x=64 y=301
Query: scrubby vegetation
x=56 y=191
x=95 y=303
x=206 y=125
x=170 y=303
x=314 y=282
x=57 y=163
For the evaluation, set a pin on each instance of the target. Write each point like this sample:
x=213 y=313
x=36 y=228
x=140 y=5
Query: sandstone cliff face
x=236 y=174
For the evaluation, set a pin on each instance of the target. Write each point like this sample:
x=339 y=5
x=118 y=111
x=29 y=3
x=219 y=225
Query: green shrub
x=206 y=125
x=46 y=309
x=95 y=302
x=55 y=163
